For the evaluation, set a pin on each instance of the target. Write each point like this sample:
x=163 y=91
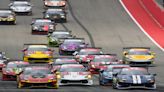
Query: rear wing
x=26 y=44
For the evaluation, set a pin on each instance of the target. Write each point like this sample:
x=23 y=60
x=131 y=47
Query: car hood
x=74 y=75
x=140 y=57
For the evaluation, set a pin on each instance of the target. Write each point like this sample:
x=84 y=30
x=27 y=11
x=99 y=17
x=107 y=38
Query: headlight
x=89 y=76
x=151 y=80
x=47 y=16
x=62 y=16
x=35 y=27
x=93 y=66
x=58 y=76
x=122 y=80
x=11 y=17
x=51 y=27
x=64 y=47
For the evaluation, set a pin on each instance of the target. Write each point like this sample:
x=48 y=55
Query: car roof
x=20 y=2
x=5 y=11
x=72 y=65
x=18 y=62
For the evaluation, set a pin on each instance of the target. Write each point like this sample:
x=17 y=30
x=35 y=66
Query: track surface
x=106 y=23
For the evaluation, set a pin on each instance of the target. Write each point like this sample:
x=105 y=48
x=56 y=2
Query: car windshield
x=116 y=70
x=14 y=65
x=126 y=71
x=36 y=71
x=87 y=52
x=21 y=4
x=73 y=41
x=55 y=0
x=64 y=61
x=37 y=49
x=72 y=69
x=139 y=53
x=61 y=35
x=42 y=22
x=5 y=13
x=103 y=59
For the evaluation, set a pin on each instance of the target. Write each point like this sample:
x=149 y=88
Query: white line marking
x=134 y=79
x=138 y=79
x=141 y=26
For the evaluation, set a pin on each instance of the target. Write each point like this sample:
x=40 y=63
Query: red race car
x=85 y=55
x=10 y=70
x=60 y=61
x=37 y=76
x=99 y=60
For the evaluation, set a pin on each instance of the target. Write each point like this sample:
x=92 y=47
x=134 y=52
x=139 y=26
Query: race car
x=85 y=55
x=12 y=68
x=106 y=74
x=21 y=7
x=74 y=74
x=69 y=46
x=42 y=26
x=138 y=56
x=60 y=61
x=95 y=65
x=7 y=16
x=37 y=76
x=134 y=77
x=55 y=4
x=3 y=60
x=57 y=37
x=57 y=15
x=37 y=53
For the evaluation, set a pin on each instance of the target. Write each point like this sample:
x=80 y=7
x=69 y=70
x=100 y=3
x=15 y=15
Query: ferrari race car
x=134 y=77
x=99 y=60
x=60 y=61
x=12 y=68
x=84 y=55
x=37 y=53
x=42 y=26
x=37 y=76
x=106 y=74
x=55 y=4
x=69 y=46
x=58 y=37
x=74 y=74
x=7 y=16
x=21 y=7
x=57 y=15
x=138 y=56
x=3 y=60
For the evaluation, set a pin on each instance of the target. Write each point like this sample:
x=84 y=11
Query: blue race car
x=106 y=74
x=134 y=77
x=69 y=46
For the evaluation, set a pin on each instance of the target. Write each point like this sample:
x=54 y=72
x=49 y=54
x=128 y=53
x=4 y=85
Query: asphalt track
x=103 y=23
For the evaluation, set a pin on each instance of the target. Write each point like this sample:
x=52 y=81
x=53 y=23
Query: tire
x=114 y=85
x=13 y=22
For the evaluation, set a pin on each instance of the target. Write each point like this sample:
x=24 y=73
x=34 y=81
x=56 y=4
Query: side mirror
x=154 y=74
x=101 y=71
x=115 y=74
x=24 y=50
x=125 y=53
x=75 y=53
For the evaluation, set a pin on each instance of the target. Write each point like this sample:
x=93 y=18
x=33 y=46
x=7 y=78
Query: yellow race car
x=138 y=56
x=37 y=53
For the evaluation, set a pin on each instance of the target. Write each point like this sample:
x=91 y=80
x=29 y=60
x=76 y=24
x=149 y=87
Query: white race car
x=74 y=74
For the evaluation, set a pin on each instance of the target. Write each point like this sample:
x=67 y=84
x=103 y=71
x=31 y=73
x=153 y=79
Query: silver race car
x=74 y=74
x=21 y=7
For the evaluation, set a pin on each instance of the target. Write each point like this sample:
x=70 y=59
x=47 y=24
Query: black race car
x=134 y=77
x=7 y=16
x=42 y=26
x=58 y=15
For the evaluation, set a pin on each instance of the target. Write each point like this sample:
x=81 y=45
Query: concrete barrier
x=155 y=10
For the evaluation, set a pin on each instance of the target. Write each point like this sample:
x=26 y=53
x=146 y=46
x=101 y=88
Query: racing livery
x=134 y=77
x=37 y=76
x=55 y=4
x=21 y=7
x=138 y=56
x=12 y=68
x=69 y=46
x=74 y=74
x=42 y=26
x=37 y=53
x=57 y=15
x=57 y=37
x=85 y=55
x=95 y=65
x=7 y=16
x=106 y=74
